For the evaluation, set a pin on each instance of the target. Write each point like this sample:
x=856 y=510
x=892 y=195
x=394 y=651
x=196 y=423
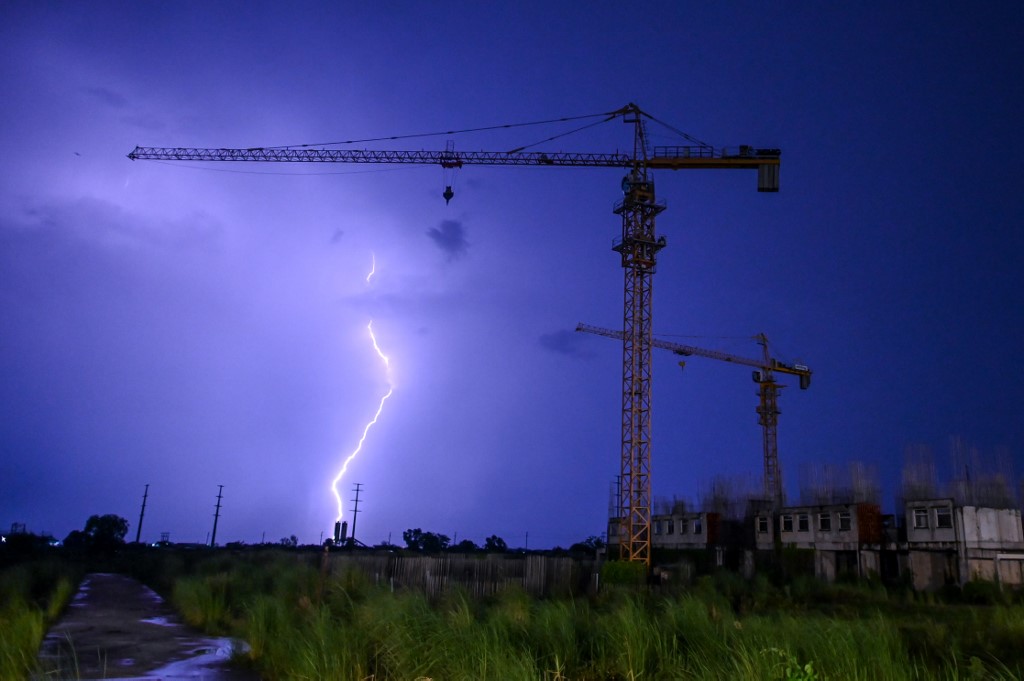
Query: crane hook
x=448 y=194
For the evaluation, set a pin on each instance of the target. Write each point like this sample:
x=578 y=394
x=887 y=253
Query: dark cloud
x=565 y=343
x=450 y=237
x=108 y=97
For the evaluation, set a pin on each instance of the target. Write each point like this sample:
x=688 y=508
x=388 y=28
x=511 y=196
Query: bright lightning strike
x=380 y=407
x=384 y=358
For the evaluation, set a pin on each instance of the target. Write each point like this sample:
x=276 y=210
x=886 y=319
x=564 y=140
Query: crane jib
x=446 y=159
x=449 y=159
x=801 y=371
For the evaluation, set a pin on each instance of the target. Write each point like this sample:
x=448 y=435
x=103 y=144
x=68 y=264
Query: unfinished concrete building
x=847 y=539
x=678 y=531
x=951 y=543
x=932 y=543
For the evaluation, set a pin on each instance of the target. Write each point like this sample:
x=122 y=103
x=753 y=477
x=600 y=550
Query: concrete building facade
x=939 y=541
x=846 y=538
x=948 y=543
x=677 y=530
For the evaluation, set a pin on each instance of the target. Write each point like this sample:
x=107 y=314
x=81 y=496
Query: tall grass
x=21 y=632
x=32 y=595
x=303 y=622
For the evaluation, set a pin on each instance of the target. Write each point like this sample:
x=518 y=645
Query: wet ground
x=117 y=628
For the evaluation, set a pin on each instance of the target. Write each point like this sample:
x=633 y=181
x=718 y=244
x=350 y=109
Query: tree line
x=107 y=532
x=435 y=542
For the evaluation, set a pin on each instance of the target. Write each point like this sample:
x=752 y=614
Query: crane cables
x=688 y=138
x=603 y=117
x=606 y=116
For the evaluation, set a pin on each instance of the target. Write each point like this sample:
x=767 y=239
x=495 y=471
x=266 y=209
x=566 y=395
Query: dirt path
x=117 y=628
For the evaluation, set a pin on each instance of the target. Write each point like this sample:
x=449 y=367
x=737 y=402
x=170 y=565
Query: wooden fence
x=479 y=575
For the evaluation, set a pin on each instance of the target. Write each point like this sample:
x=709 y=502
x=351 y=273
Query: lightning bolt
x=380 y=407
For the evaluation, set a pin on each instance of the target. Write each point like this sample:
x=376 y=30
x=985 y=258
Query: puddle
x=159 y=621
x=215 y=652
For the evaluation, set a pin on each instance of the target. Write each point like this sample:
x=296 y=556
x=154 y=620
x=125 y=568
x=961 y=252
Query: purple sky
x=188 y=325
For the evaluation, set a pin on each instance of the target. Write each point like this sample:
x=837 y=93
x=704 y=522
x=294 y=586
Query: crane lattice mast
x=638 y=248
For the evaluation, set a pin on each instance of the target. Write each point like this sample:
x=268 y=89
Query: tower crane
x=637 y=248
x=768 y=392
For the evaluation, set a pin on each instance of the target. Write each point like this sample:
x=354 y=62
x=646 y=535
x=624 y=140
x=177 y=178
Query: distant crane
x=767 y=409
x=638 y=248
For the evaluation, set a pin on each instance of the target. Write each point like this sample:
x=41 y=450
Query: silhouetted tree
x=106 y=531
x=589 y=545
x=291 y=541
x=76 y=540
x=413 y=539
x=435 y=542
x=496 y=544
x=465 y=546
x=428 y=542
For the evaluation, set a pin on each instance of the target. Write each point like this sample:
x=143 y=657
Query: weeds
x=21 y=632
x=303 y=621
x=32 y=595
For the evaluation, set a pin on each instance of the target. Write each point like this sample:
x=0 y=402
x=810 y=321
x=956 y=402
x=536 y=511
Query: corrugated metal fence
x=480 y=576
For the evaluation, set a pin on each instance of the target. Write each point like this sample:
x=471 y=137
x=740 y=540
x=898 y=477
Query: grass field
x=303 y=621
x=305 y=624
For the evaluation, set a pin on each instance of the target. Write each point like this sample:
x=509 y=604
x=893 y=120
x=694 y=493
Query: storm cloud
x=450 y=237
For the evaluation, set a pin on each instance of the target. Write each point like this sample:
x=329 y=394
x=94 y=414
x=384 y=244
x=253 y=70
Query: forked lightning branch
x=376 y=416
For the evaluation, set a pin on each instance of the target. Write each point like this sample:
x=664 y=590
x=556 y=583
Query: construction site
x=969 y=529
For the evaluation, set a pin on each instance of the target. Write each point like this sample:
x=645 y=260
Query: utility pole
x=216 y=515
x=142 y=514
x=355 y=512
